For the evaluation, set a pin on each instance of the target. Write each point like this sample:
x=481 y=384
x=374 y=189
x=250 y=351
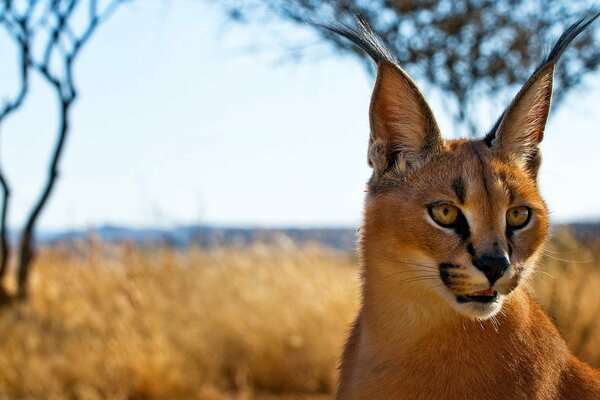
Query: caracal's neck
x=394 y=320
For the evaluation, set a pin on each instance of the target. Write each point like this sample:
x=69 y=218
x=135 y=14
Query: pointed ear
x=519 y=131
x=404 y=133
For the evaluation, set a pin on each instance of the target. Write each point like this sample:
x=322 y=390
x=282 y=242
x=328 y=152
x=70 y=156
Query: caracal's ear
x=517 y=134
x=404 y=133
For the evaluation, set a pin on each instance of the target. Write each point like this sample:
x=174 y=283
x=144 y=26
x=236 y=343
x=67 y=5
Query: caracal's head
x=455 y=223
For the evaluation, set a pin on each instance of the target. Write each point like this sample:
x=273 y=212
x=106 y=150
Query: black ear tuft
x=363 y=37
x=568 y=36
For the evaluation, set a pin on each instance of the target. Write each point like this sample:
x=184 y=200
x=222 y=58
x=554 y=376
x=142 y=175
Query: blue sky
x=184 y=118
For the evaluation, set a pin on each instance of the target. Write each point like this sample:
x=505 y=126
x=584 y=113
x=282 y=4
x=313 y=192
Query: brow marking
x=482 y=164
x=507 y=187
x=458 y=185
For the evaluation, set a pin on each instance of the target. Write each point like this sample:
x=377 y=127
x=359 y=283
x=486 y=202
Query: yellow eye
x=517 y=217
x=444 y=214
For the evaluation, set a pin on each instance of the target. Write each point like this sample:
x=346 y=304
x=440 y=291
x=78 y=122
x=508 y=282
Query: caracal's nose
x=493 y=266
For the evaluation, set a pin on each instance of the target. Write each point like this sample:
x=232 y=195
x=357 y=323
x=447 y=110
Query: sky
x=184 y=118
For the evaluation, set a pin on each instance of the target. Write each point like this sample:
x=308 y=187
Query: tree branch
x=20 y=34
x=63 y=47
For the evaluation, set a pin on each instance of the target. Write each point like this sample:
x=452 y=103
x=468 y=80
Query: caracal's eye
x=518 y=217
x=444 y=214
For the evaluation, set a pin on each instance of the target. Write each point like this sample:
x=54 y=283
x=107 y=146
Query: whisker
x=546 y=250
x=434 y=286
x=406 y=271
x=378 y=257
x=539 y=271
x=527 y=286
x=418 y=278
x=495 y=323
x=417 y=273
x=502 y=312
x=569 y=261
x=405 y=262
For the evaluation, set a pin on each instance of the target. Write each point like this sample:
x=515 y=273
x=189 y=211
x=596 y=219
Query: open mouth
x=484 y=296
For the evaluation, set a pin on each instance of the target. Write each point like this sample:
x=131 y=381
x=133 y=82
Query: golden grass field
x=262 y=322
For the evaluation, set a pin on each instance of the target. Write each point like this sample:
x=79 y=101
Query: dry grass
x=567 y=285
x=257 y=323
x=121 y=323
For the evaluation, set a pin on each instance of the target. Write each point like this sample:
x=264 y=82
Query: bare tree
x=457 y=46
x=48 y=43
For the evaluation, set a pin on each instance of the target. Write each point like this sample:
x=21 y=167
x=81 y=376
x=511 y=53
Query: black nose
x=492 y=266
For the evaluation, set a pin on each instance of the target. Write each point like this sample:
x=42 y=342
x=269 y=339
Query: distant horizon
x=240 y=227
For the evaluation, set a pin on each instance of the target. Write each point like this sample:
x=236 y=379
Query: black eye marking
x=471 y=250
x=458 y=185
x=461 y=227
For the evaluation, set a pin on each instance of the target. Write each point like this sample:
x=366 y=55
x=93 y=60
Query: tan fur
x=413 y=338
x=521 y=356
x=408 y=343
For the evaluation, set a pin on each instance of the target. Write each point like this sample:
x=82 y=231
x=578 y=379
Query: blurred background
x=182 y=181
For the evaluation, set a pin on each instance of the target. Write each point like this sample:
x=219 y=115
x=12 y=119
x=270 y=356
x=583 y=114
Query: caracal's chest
x=448 y=366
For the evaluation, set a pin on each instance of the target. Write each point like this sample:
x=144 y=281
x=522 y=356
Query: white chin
x=473 y=309
x=477 y=310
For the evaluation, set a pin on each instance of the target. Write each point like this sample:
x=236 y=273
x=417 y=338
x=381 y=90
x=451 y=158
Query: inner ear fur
x=404 y=133
x=521 y=128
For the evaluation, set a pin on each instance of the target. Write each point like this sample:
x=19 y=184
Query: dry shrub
x=264 y=322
